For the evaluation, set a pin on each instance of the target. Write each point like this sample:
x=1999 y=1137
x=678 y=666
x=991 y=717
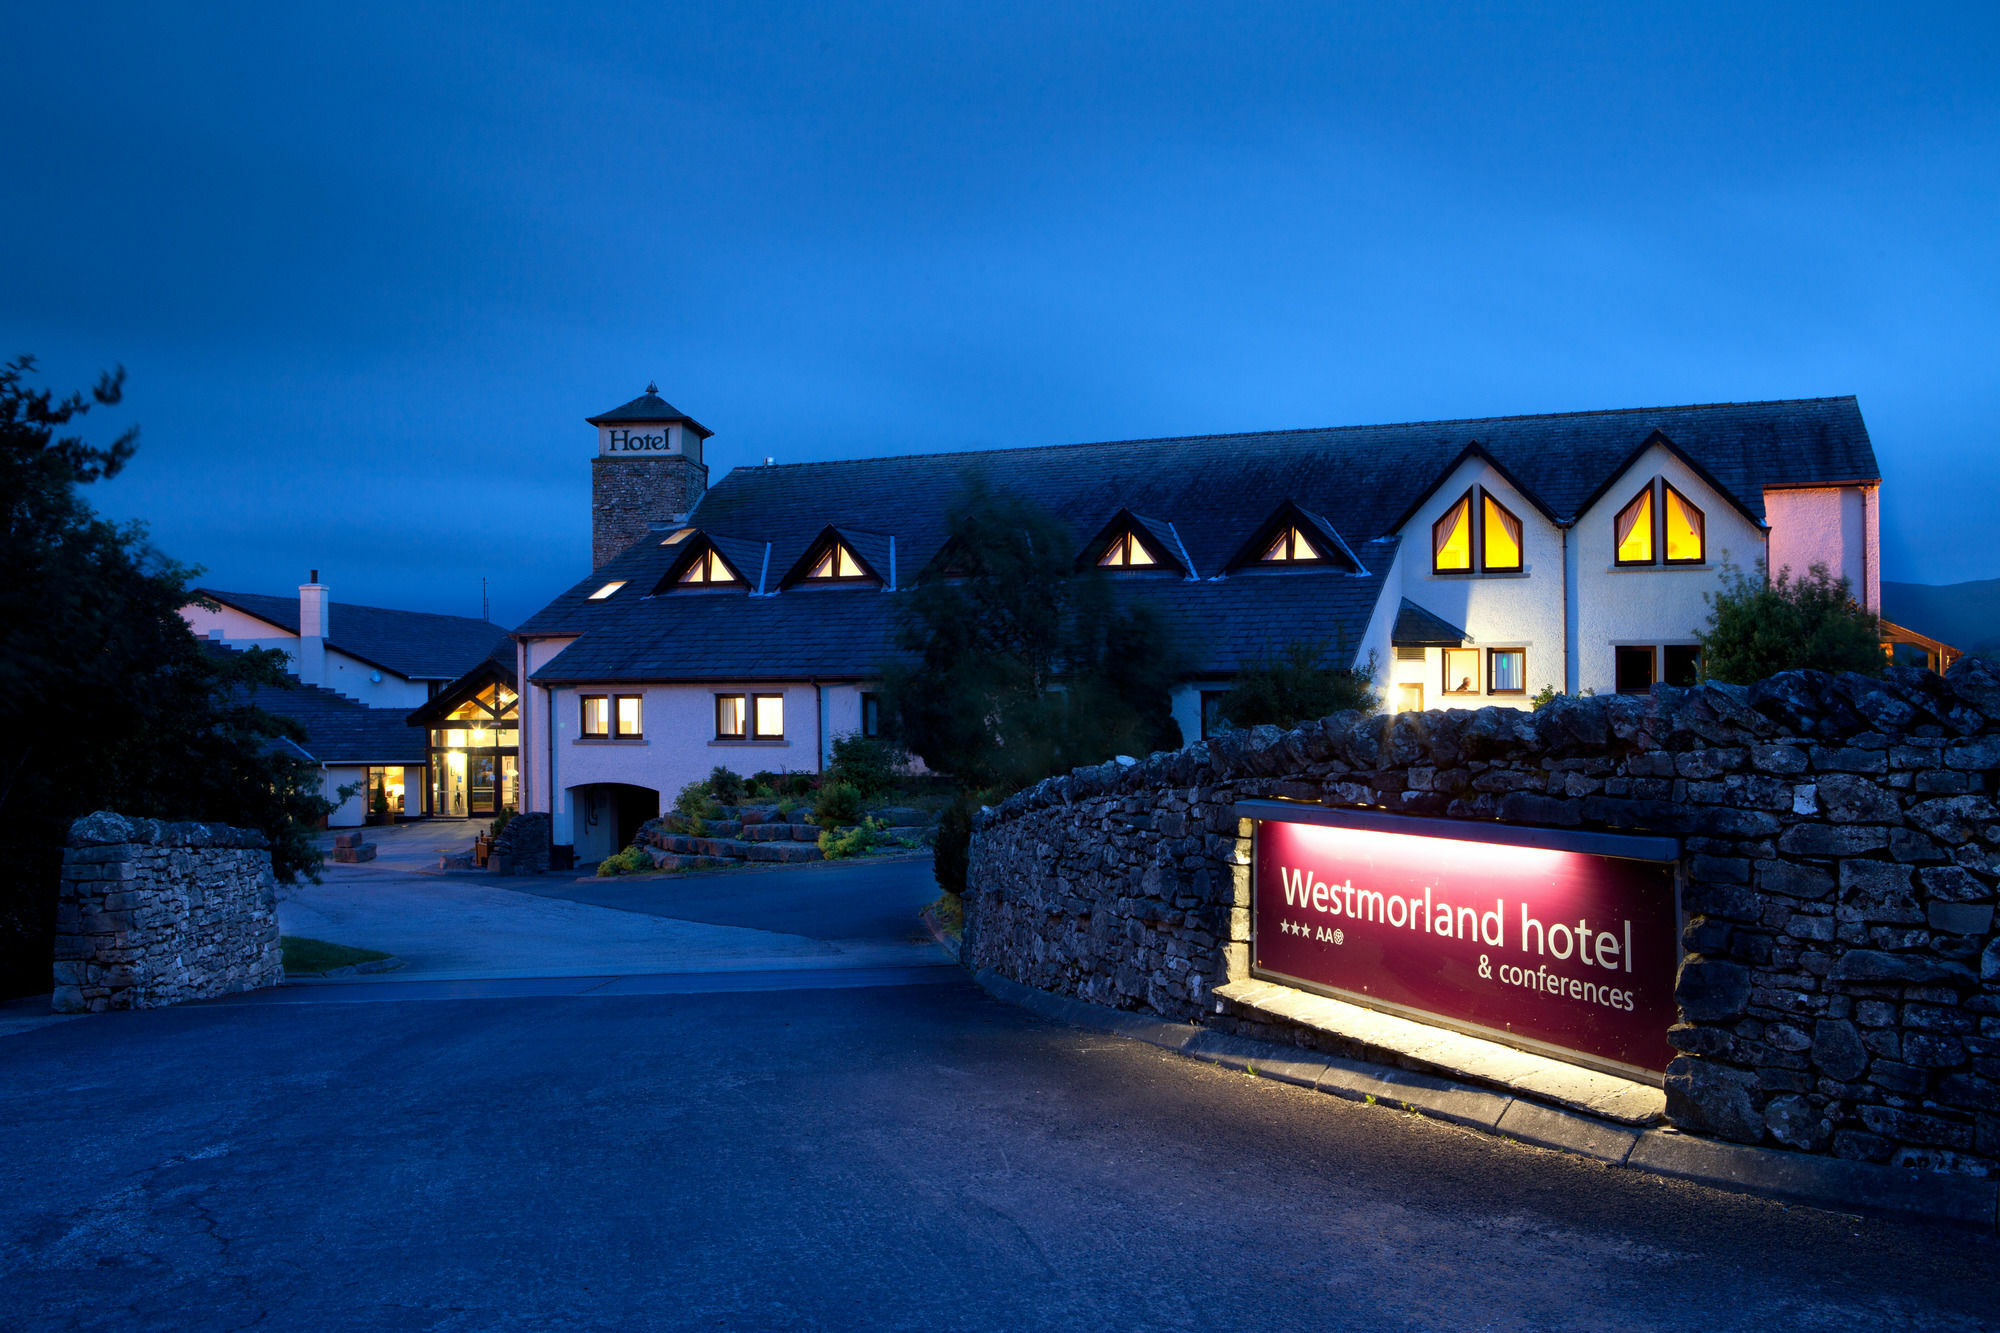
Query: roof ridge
x=352 y=606
x=1300 y=430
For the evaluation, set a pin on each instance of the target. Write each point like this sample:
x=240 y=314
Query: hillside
x=1964 y=615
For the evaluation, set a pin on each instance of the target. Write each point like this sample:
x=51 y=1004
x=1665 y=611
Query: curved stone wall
x=1839 y=989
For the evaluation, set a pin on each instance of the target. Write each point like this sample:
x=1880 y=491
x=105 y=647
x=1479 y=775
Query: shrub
x=952 y=854
x=694 y=802
x=1297 y=683
x=725 y=786
x=630 y=861
x=866 y=762
x=857 y=841
x=1758 y=628
x=839 y=803
x=493 y=830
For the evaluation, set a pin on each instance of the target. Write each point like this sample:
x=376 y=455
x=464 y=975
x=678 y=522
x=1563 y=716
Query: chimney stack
x=312 y=631
x=648 y=469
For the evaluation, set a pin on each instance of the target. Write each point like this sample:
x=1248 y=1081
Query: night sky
x=369 y=270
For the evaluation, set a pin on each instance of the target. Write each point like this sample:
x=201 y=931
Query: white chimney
x=312 y=631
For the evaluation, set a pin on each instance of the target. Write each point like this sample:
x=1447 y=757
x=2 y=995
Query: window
x=1633 y=668
x=837 y=562
x=1634 y=531
x=596 y=716
x=1500 y=536
x=709 y=567
x=1461 y=671
x=1128 y=552
x=1683 y=664
x=1684 y=529
x=607 y=590
x=677 y=536
x=1212 y=721
x=1410 y=698
x=1507 y=670
x=627 y=717
x=1451 y=538
x=1498 y=542
x=871 y=714
x=749 y=717
x=1291 y=545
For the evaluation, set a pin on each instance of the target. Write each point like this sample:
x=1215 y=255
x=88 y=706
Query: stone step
x=351 y=854
x=674 y=861
x=782 y=833
x=721 y=828
x=353 y=838
x=784 y=852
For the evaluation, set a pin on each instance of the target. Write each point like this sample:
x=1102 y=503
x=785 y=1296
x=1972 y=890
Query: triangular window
x=1451 y=538
x=709 y=567
x=1633 y=533
x=1684 y=523
x=1126 y=552
x=1292 y=545
x=837 y=562
x=1499 y=534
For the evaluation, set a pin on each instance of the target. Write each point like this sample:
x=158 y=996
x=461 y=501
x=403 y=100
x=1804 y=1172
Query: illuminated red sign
x=1544 y=948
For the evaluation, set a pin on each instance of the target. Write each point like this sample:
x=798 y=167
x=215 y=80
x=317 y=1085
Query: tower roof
x=652 y=409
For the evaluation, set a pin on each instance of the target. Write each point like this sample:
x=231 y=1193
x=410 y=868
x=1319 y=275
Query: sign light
x=1570 y=952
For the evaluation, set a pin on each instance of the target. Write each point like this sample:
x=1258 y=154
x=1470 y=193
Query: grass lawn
x=308 y=955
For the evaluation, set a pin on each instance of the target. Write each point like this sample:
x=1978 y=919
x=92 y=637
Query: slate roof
x=1217 y=492
x=341 y=731
x=1417 y=628
x=649 y=406
x=417 y=645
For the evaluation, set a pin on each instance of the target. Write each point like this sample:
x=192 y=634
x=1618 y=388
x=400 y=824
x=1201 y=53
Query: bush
x=951 y=856
x=839 y=803
x=725 y=786
x=1758 y=628
x=694 y=802
x=493 y=830
x=1298 y=683
x=857 y=841
x=782 y=784
x=630 y=861
x=867 y=762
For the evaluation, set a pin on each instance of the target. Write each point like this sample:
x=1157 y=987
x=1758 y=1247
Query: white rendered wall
x=1522 y=610
x=345 y=675
x=353 y=812
x=1647 y=604
x=531 y=656
x=1835 y=526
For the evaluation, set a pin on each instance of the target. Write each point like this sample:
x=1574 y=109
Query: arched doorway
x=606 y=817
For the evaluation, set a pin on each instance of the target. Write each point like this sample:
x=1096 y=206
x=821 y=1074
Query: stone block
x=1829 y=840
x=1961 y=918
x=1869 y=966
x=1793 y=880
x=1878 y=891
x=1711 y=989
x=1712 y=1099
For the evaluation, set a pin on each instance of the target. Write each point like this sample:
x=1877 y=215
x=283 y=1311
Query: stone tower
x=648 y=470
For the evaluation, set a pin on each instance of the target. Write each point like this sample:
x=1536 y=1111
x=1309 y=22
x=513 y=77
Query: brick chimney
x=312 y=631
x=648 y=470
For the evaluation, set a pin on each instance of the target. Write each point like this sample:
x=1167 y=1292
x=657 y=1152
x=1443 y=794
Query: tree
x=107 y=699
x=1758 y=627
x=1302 y=680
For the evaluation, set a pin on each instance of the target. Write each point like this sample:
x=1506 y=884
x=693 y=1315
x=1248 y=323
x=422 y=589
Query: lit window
x=1461 y=671
x=1635 y=531
x=1507 y=670
x=1451 y=538
x=1684 y=529
x=838 y=563
x=628 y=716
x=1128 y=552
x=709 y=567
x=677 y=536
x=768 y=716
x=596 y=715
x=1410 y=698
x=729 y=717
x=1500 y=534
x=1291 y=545
x=607 y=590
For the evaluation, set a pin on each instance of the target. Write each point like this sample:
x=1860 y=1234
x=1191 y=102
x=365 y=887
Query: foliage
x=863 y=838
x=867 y=762
x=725 y=786
x=782 y=784
x=378 y=801
x=949 y=913
x=1548 y=694
x=694 y=802
x=839 y=803
x=1297 y=682
x=1757 y=628
x=500 y=821
x=951 y=854
x=1022 y=666
x=107 y=699
x=630 y=861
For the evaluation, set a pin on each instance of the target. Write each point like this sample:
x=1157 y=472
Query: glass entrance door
x=484 y=782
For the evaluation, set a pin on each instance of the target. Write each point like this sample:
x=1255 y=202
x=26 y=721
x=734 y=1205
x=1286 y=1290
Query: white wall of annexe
x=1836 y=526
x=1649 y=604
x=344 y=675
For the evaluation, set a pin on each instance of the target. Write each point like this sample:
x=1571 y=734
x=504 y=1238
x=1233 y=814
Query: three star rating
x=1319 y=933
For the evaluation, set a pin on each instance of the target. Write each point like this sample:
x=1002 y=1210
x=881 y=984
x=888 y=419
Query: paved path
x=915 y=1156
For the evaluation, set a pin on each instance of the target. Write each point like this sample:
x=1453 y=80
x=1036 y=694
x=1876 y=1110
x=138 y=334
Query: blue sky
x=369 y=268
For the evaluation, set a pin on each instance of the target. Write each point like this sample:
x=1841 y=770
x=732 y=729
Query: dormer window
x=1126 y=552
x=607 y=590
x=836 y=563
x=1292 y=546
x=1660 y=525
x=710 y=568
x=677 y=536
x=1496 y=541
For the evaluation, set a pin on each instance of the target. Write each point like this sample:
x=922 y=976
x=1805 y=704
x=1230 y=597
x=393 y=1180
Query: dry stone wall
x=153 y=914
x=1839 y=989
